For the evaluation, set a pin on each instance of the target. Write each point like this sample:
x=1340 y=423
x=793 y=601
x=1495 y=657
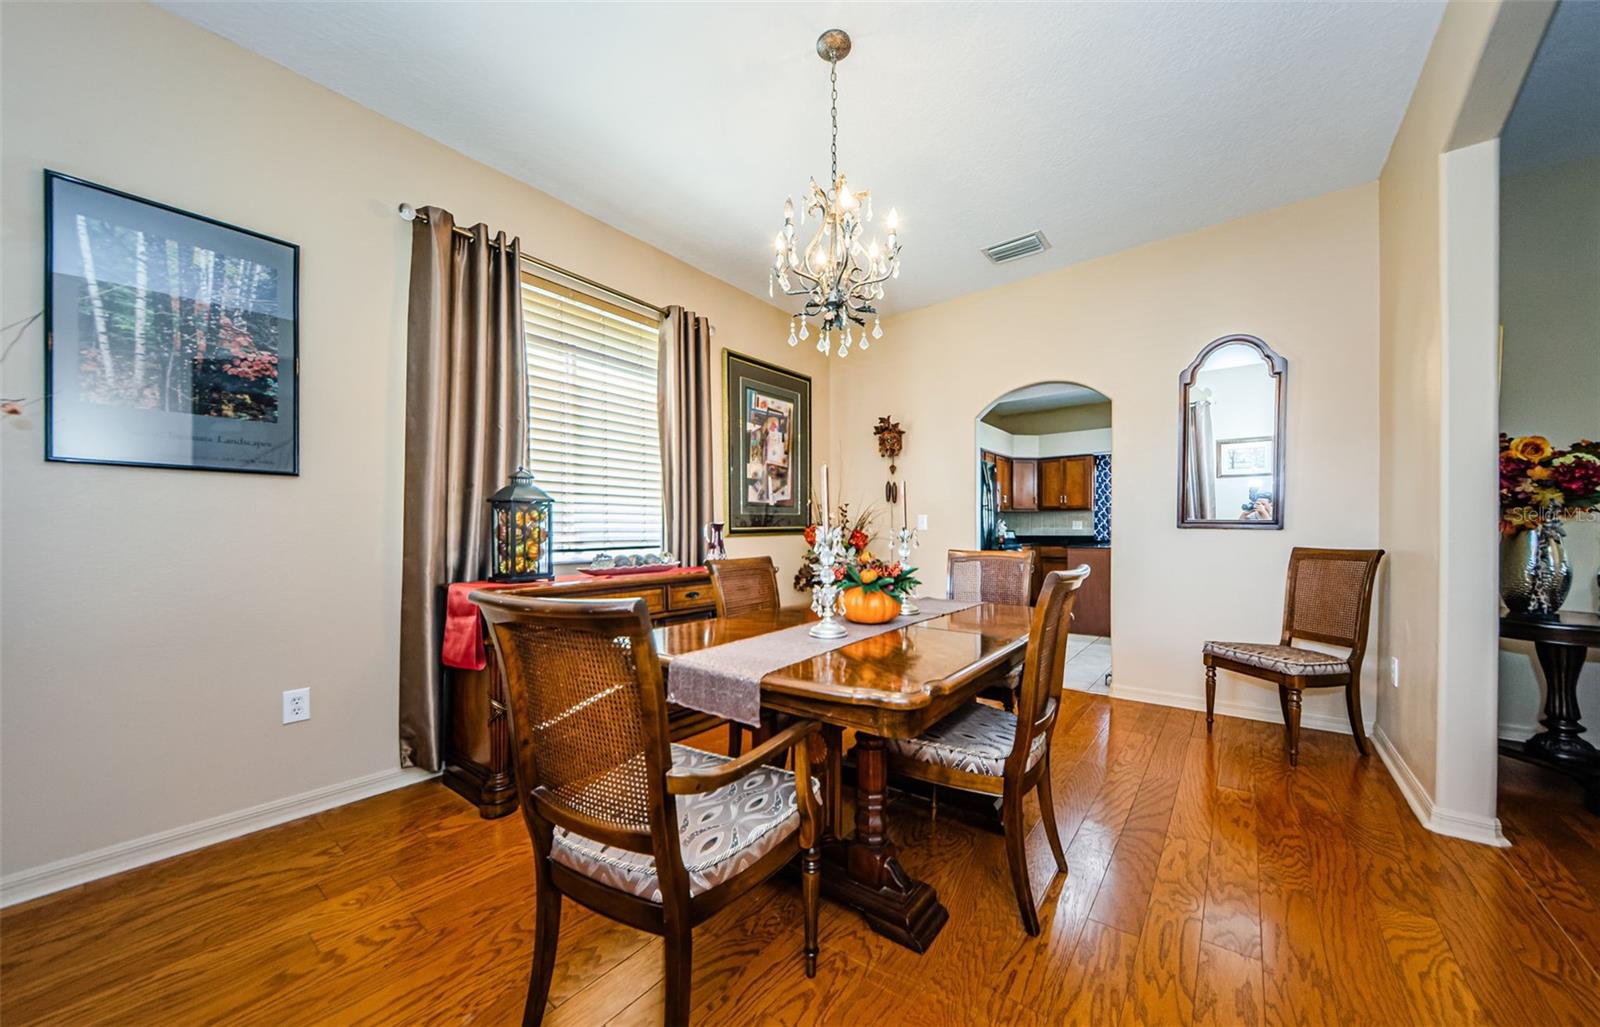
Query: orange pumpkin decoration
x=865 y=607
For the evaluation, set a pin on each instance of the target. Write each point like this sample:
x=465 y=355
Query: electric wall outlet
x=922 y=522
x=1394 y=671
x=296 y=705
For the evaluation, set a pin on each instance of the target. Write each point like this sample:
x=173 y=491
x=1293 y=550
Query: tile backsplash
x=1044 y=522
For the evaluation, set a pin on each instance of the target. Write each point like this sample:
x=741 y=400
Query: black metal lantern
x=520 y=520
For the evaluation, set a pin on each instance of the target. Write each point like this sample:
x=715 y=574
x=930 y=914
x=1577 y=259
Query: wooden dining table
x=893 y=685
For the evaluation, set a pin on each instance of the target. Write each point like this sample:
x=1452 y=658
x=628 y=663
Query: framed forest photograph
x=172 y=339
x=769 y=446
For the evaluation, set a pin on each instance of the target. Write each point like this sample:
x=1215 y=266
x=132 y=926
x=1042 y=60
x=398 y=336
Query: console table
x=477 y=745
x=1561 y=643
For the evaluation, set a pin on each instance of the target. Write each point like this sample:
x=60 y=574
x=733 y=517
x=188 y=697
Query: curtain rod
x=410 y=213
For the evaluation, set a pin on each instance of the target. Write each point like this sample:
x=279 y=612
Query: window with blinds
x=593 y=438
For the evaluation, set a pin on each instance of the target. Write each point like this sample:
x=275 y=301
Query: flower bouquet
x=1539 y=483
x=1539 y=486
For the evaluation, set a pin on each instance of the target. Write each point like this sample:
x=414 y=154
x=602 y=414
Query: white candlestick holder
x=830 y=552
x=905 y=541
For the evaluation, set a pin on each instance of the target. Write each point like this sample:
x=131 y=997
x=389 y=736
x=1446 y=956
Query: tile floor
x=1088 y=663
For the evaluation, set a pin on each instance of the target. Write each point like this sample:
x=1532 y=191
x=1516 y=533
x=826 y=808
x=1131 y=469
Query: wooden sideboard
x=477 y=744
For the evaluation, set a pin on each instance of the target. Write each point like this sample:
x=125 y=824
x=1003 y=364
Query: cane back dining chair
x=979 y=748
x=740 y=587
x=1327 y=599
x=744 y=586
x=657 y=835
x=992 y=576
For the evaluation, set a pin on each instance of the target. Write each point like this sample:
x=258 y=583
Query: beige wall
x=152 y=617
x=1410 y=384
x=1303 y=277
x=1550 y=373
x=1049 y=422
x=1437 y=207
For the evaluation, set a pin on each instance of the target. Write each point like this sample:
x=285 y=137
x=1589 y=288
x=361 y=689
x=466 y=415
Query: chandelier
x=840 y=277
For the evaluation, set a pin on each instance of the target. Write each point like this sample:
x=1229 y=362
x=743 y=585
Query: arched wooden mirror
x=1231 y=415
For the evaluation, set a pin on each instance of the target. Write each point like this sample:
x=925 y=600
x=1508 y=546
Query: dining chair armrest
x=694 y=782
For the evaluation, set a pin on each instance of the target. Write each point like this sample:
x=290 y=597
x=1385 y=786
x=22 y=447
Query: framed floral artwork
x=171 y=339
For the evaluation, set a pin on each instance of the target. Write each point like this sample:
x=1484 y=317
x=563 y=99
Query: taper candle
x=824 y=496
x=905 y=505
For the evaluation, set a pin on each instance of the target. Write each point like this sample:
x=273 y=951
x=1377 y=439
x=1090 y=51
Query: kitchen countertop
x=1074 y=541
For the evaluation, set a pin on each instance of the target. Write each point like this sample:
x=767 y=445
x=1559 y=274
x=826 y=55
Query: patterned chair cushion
x=976 y=739
x=1284 y=659
x=720 y=832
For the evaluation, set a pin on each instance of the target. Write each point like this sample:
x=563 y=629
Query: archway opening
x=1045 y=487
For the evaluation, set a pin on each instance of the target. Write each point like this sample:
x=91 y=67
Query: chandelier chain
x=833 y=81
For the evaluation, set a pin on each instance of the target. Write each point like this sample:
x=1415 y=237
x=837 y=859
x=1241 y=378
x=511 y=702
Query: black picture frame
x=202 y=376
x=777 y=500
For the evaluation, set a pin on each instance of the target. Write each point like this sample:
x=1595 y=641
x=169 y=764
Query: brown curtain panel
x=687 y=392
x=466 y=431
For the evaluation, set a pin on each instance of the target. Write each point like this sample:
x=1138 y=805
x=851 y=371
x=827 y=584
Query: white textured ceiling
x=686 y=125
x=1557 y=115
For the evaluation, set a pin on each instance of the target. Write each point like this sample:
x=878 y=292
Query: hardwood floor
x=1210 y=883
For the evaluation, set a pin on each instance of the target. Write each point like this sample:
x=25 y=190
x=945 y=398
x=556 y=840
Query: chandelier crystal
x=840 y=275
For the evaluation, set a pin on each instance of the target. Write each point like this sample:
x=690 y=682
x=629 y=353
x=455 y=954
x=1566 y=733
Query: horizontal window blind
x=593 y=437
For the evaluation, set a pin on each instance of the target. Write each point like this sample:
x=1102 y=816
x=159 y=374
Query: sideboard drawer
x=654 y=597
x=691 y=597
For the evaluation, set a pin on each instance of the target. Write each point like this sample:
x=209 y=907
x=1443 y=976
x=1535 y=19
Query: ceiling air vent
x=1016 y=249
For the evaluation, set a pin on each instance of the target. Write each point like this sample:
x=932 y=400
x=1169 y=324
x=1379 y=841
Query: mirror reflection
x=1231 y=472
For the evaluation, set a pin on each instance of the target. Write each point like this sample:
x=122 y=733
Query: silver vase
x=1534 y=574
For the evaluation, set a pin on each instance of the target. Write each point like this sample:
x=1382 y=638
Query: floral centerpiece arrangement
x=1539 y=486
x=870 y=589
x=874 y=588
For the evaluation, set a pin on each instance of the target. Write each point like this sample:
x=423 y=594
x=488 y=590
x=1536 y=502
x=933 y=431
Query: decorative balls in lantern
x=520 y=523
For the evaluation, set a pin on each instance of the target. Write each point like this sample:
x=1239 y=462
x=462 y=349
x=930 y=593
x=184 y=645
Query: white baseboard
x=1245 y=711
x=1519 y=732
x=1469 y=827
x=113 y=859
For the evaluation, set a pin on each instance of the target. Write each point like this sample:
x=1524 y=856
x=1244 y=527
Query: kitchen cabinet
x=1066 y=483
x=1002 y=477
x=1052 y=483
x=1024 y=484
x=1092 y=614
x=1079 y=488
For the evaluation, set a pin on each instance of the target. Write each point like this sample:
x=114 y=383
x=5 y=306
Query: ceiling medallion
x=840 y=277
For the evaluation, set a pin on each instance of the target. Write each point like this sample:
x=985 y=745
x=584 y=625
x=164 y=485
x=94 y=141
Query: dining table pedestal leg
x=862 y=871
